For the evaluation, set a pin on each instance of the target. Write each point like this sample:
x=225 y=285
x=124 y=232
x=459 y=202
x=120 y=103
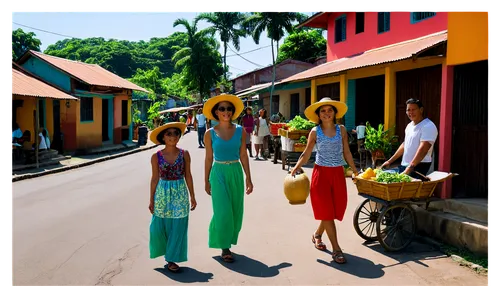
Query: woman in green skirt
x=169 y=200
x=225 y=148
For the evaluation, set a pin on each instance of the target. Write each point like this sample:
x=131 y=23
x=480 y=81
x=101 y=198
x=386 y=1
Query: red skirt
x=328 y=193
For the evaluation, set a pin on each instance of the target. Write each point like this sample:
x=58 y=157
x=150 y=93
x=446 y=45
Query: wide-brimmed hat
x=157 y=130
x=236 y=101
x=310 y=111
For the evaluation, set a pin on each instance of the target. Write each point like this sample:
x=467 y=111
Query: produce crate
x=297 y=147
x=415 y=189
x=296 y=134
x=275 y=127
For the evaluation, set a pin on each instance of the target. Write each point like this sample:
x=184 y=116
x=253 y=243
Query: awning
x=387 y=54
x=256 y=88
x=25 y=85
x=174 y=109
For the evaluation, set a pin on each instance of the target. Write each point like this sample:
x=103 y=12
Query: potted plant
x=301 y=145
x=378 y=141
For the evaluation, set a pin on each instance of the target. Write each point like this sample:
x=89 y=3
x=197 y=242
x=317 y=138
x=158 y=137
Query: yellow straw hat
x=310 y=111
x=158 y=130
x=236 y=101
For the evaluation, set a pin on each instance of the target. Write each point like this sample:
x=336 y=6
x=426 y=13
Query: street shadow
x=251 y=267
x=357 y=266
x=186 y=275
x=417 y=252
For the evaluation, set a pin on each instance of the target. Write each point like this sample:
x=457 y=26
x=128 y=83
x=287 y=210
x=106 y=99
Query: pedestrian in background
x=224 y=158
x=170 y=192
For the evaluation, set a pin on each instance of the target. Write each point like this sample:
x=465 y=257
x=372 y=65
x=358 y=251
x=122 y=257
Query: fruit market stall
x=387 y=214
x=294 y=140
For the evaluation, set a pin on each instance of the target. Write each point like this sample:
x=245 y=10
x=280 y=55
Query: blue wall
x=48 y=73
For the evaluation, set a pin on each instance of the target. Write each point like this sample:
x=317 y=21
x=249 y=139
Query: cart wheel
x=365 y=219
x=396 y=227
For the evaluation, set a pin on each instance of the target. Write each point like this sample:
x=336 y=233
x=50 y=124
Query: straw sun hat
x=154 y=134
x=310 y=111
x=236 y=101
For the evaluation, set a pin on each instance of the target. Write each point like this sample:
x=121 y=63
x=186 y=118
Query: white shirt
x=360 y=131
x=43 y=143
x=201 y=120
x=263 y=128
x=414 y=134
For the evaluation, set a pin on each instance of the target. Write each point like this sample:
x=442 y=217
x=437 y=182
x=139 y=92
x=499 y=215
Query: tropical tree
x=227 y=24
x=276 y=24
x=22 y=42
x=303 y=45
x=199 y=60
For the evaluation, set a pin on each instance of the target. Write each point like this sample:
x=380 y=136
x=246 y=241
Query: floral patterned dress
x=169 y=224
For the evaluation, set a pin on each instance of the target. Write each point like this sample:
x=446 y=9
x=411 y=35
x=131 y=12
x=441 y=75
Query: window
x=86 y=109
x=384 y=22
x=360 y=22
x=340 y=27
x=419 y=16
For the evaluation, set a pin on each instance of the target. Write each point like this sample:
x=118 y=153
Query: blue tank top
x=329 y=149
x=227 y=150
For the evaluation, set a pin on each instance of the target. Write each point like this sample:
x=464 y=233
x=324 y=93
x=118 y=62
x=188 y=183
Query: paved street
x=89 y=226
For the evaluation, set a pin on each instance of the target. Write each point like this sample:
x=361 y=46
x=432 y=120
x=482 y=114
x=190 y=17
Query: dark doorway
x=105 y=120
x=470 y=131
x=308 y=97
x=331 y=90
x=124 y=112
x=370 y=100
x=57 y=143
x=294 y=105
x=423 y=84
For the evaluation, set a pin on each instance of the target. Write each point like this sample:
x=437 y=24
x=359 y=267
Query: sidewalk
x=99 y=155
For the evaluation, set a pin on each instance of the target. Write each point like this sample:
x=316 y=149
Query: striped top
x=329 y=149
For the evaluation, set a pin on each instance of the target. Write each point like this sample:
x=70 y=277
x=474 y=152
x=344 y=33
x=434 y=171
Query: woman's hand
x=249 y=186
x=294 y=171
x=151 y=206
x=208 y=189
x=193 y=203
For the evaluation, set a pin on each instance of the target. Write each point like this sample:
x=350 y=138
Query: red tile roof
x=25 y=85
x=90 y=73
x=392 y=53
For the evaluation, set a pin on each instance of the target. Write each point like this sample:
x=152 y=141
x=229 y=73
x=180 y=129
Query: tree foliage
x=303 y=45
x=22 y=42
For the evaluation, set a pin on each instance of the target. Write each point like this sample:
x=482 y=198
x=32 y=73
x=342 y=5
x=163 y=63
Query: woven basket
x=296 y=134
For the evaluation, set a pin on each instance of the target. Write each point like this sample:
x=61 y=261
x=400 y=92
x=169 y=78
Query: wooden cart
x=387 y=214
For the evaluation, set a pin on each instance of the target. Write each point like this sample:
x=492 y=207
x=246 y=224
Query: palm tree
x=276 y=24
x=226 y=23
x=200 y=60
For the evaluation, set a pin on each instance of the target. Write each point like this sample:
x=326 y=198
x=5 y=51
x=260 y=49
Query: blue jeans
x=201 y=133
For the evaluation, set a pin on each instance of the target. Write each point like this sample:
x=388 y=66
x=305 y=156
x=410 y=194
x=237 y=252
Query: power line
x=245 y=58
x=66 y=36
x=235 y=68
x=248 y=51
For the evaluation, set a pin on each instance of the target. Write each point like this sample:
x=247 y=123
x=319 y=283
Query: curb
x=70 y=167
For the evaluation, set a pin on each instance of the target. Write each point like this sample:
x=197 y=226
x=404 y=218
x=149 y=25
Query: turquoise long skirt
x=169 y=224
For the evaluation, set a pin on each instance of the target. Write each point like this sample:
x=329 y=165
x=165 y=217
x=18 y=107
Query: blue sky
x=135 y=27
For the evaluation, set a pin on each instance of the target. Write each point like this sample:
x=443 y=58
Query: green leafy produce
x=386 y=177
x=303 y=140
x=299 y=123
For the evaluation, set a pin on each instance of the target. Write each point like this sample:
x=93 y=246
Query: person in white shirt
x=360 y=132
x=43 y=142
x=420 y=135
x=200 y=123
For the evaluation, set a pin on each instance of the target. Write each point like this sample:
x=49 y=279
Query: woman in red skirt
x=328 y=184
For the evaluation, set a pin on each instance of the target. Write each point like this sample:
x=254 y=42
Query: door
x=331 y=90
x=370 y=100
x=56 y=139
x=294 y=105
x=105 y=120
x=470 y=131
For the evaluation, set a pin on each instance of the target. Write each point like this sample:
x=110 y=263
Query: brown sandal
x=227 y=256
x=316 y=239
x=172 y=267
x=338 y=257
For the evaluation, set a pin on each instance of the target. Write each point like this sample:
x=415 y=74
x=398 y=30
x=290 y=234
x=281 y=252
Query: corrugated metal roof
x=90 y=73
x=392 y=53
x=25 y=85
